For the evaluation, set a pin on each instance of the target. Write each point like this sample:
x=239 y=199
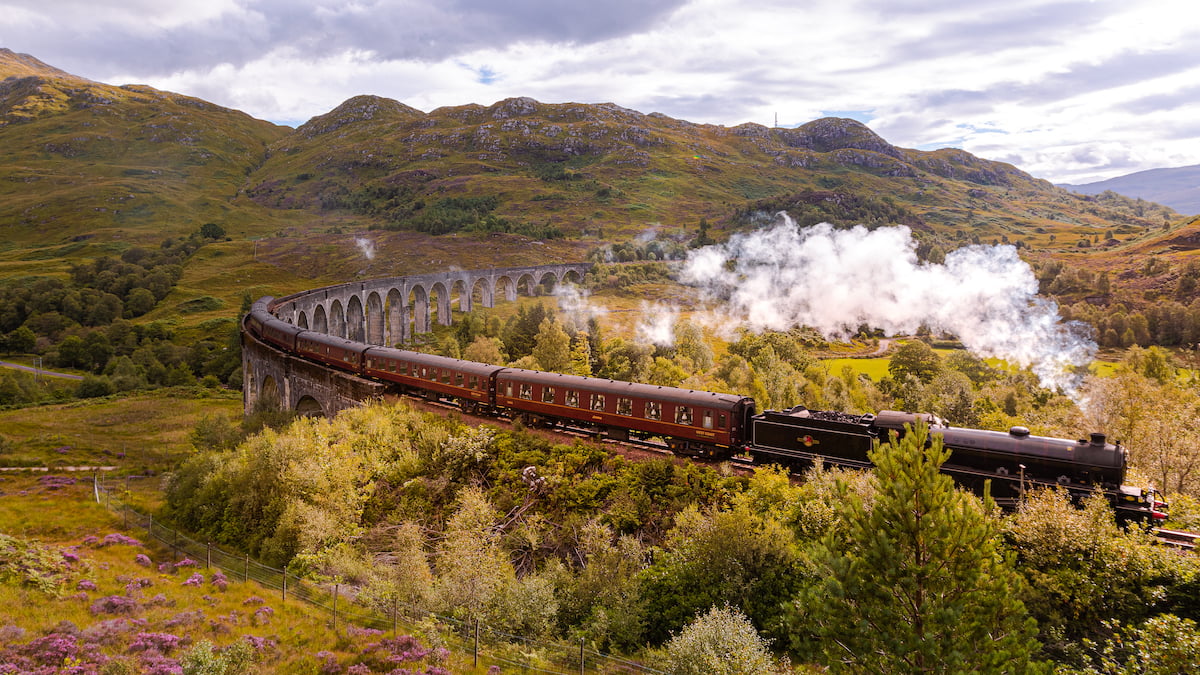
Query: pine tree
x=917 y=583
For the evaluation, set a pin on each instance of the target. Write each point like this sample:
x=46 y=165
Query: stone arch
x=547 y=282
x=481 y=293
x=355 y=320
x=308 y=406
x=397 y=318
x=507 y=287
x=337 y=319
x=458 y=288
x=441 y=308
x=572 y=277
x=268 y=395
x=376 y=324
x=418 y=300
x=526 y=282
x=302 y=319
x=320 y=320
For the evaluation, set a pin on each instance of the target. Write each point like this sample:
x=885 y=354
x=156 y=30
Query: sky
x=1072 y=91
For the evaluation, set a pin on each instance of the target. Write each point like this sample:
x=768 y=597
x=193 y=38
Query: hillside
x=602 y=168
x=1178 y=188
x=90 y=169
x=82 y=159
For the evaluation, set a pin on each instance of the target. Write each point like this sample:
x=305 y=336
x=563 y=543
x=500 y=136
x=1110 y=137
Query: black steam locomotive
x=720 y=426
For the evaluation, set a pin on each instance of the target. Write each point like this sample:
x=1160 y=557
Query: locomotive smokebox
x=1098 y=439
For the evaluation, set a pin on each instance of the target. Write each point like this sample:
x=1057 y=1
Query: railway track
x=1176 y=538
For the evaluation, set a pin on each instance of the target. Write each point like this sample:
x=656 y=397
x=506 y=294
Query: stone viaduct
x=388 y=311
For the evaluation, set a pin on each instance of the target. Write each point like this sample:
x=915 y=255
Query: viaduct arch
x=386 y=312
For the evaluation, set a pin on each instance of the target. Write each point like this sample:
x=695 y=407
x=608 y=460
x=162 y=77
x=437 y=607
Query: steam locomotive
x=720 y=426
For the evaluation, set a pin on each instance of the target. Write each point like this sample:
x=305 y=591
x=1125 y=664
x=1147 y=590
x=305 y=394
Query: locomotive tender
x=720 y=426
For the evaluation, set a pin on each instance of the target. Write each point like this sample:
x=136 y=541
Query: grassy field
x=146 y=431
x=52 y=524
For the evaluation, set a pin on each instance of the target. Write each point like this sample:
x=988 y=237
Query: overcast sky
x=1068 y=90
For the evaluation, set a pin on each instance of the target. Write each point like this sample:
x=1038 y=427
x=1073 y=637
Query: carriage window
x=508 y=388
x=424 y=372
x=573 y=398
x=404 y=367
x=683 y=415
x=458 y=379
x=597 y=401
x=547 y=394
x=445 y=377
x=653 y=410
x=624 y=406
x=707 y=419
x=473 y=382
x=527 y=392
x=721 y=421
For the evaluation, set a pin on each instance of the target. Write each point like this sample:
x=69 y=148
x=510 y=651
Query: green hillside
x=89 y=169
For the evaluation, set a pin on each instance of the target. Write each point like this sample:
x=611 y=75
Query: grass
x=145 y=431
x=67 y=519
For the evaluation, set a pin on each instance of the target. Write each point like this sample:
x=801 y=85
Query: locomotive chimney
x=1098 y=439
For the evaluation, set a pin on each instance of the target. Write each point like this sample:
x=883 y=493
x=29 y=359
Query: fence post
x=150 y=527
x=395 y=616
x=207 y=555
x=284 y=583
x=335 y=594
x=476 y=642
x=581 y=661
x=246 y=568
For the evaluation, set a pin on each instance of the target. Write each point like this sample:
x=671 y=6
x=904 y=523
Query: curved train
x=720 y=426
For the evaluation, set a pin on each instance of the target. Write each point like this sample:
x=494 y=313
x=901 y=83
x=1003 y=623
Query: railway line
x=707 y=426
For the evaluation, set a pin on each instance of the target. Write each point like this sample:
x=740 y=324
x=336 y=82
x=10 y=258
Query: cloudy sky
x=1069 y=90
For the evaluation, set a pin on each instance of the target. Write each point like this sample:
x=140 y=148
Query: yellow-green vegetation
x=77 y=590
x=133 y=433
x=550 y=541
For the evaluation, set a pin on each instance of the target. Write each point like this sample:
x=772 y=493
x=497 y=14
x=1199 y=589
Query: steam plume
x=837 y=280
x=575 y=305
x=366 y=246
x=657 y=325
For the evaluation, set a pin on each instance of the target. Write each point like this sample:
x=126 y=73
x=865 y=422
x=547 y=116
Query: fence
x=487 y=645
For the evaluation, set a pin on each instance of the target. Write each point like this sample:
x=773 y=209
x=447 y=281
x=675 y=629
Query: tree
x=917 y=583
x=485 y=350
x=917 y=359
x=212 y=231
x=722 y=642
x=552 y=347
x=21 y=341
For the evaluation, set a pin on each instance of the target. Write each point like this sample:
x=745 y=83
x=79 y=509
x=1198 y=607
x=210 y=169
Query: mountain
x=83 y=158
x=1178 y=188
x=89 y=169
x=579 y=168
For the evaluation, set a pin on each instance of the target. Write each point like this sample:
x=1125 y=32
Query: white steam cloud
x=836 y=280
x=366 y=246
x=575 y=305
x=657 y=325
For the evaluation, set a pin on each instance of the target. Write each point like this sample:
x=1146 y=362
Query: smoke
x=657 y=325
x=575 y=306
x=837 y=280
x=366 y=246
x=647 y=235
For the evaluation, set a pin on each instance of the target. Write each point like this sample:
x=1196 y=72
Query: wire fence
x=486 y=645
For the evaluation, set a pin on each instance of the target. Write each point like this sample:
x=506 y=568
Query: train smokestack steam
x=836 y=280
